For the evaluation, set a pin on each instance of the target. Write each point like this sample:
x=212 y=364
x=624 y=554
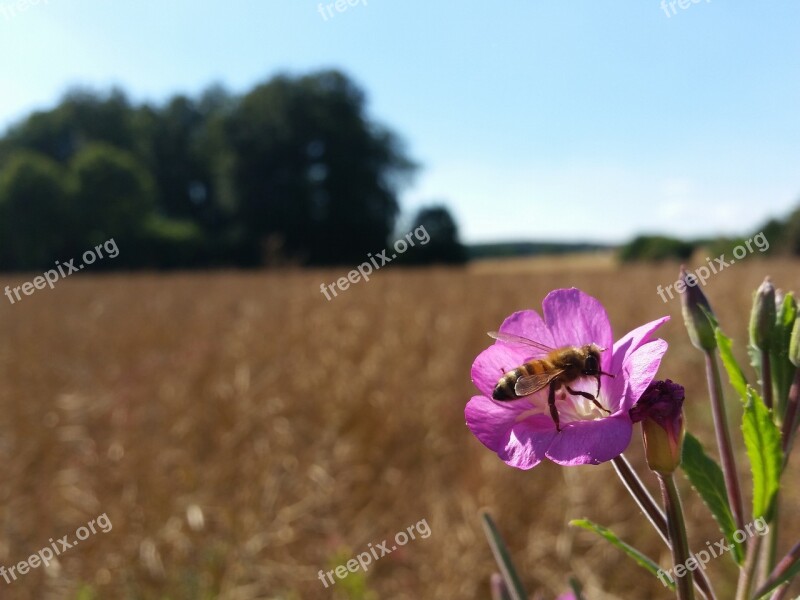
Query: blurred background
x=207 y=170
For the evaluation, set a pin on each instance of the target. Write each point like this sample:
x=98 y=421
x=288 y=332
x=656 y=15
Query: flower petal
x=490 y=365
x=591 y=442
x=575 y=318
x=519 y=441
x=640 y=369
x=632 y=340
x=528 y=324
x=623 y=348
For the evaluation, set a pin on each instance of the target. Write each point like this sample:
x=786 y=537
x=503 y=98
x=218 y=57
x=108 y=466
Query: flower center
x=570 y=407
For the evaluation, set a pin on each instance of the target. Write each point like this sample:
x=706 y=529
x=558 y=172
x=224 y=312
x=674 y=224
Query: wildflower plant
x=571 y=411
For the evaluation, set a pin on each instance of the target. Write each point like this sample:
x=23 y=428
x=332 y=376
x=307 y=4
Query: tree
x=444 y=245
x=33 y=212
x=314 y=177
x=114 y=197
x=655 y=248
x=82 y=117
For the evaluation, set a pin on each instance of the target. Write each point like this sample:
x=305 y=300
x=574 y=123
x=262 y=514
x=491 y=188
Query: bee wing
x=530 y=384
x=518 y=339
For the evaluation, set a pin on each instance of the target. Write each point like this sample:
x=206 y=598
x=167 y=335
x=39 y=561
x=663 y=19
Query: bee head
x=592 y=363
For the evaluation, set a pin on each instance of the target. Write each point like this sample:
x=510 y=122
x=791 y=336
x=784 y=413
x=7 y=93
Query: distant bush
x=172 y=243
x=654 y=248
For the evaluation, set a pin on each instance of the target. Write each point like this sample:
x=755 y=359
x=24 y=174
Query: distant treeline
x=511 y=249
x=776 y=237
x=291 y=172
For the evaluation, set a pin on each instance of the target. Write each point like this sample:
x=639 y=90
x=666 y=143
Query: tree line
x=292 y=172
x=781 y=235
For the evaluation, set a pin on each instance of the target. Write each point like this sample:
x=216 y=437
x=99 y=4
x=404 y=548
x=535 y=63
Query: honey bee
x=558 y=368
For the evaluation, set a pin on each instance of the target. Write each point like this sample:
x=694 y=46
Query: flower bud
x=763 y=315
x=693 y=301
x=660 y=410
x=794 y=344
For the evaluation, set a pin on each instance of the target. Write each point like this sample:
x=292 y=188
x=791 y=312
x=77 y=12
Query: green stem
x=677 y=535
x=654 y=514
x=642 y=497
x=746 y=575
x=724 y=439
x=779 y=573
x=780 y=593
x=770 y=551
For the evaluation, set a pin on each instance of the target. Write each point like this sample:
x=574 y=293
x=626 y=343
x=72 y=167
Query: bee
x=558 y=368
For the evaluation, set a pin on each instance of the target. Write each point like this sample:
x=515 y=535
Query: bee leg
x=588 y=396
x=551 y=402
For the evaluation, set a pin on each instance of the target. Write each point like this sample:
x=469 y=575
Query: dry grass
x=303 y=430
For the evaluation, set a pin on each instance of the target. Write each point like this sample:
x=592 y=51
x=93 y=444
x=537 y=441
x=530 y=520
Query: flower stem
x=677 y=535
x=747 y=574
x=724 y=438
x=790 y=417
x=642 y=497
x=654 y=514
x=786 y=563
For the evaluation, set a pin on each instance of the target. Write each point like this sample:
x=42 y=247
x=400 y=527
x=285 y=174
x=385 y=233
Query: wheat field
x=241 y=433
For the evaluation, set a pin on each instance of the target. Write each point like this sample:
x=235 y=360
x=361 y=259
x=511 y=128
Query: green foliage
x=640 y=559
x=655 y=248
x=762 y=438
x=312 y=173
x=85 y=593
x=292 y=171
x=354 y=585
x=33 y=209
x=437 y=240
x=732 y=367
x=706 y=477
x=114 y=194
x=503 y=558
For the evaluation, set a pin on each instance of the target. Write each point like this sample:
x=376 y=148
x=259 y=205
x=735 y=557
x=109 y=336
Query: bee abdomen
x=504 y=390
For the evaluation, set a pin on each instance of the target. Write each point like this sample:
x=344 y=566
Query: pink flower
x=521 y=431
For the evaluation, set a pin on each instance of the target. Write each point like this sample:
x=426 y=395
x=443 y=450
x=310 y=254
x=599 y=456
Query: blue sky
x=533 y=120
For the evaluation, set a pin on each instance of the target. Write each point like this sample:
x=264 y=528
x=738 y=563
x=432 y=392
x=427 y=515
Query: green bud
x=693 y=301
x=763 y=315
x=660 y=411
x=794 y=344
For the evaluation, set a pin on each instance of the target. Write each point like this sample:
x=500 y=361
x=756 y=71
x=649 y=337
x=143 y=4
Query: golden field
x=242 y=433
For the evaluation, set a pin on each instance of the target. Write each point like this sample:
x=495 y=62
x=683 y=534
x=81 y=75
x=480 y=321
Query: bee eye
x=591 y=363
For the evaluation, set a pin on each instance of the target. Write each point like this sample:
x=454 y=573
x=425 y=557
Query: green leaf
x=503 y=558
x=735 y=373
x=641 y=559
x=762 y=438
x=706 y=477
